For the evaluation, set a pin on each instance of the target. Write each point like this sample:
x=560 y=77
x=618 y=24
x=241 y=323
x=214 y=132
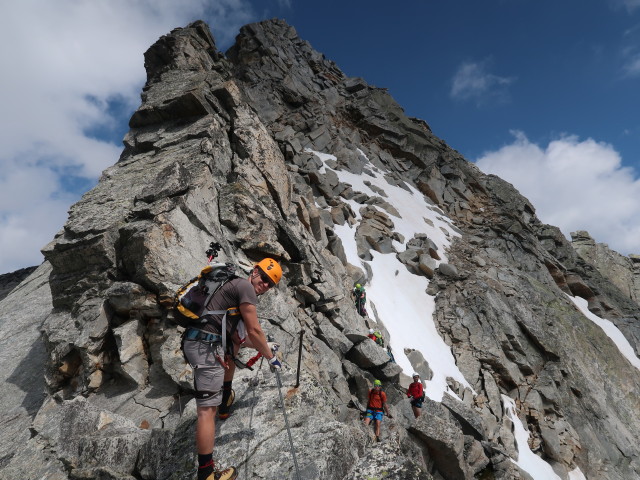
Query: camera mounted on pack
x=214 y=249
x=191 y=300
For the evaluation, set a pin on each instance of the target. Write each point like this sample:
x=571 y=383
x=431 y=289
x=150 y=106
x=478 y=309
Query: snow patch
x=609 y=329
x=576 y=474
x=400 y=297
x=527 y=460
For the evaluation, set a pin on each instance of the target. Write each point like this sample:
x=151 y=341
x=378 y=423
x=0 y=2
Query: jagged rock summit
x=270 y=149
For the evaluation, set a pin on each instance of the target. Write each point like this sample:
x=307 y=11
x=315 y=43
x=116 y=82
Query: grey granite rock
x=95 y=385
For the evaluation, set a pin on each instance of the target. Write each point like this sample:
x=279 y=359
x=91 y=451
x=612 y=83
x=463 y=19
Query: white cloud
x=629 y=5
x=472 y=82
x=629 y=52
x=632 y=67
x=64 y=63
x=574 y=185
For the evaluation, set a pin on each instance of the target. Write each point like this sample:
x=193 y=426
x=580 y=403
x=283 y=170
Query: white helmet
x=371 y=330
x=415 y=375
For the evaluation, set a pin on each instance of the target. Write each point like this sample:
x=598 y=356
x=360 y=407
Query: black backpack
x=190 y=300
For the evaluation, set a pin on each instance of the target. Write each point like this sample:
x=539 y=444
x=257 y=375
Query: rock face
x=222 y=148
x=9 y=281
x=623 y=272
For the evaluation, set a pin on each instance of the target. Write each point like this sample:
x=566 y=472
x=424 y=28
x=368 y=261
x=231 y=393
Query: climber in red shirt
x=372 y=335
x=416 y=393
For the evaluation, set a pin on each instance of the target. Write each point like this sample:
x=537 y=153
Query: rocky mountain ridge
x=223 y=147
x=10 y=280
x=623 y=272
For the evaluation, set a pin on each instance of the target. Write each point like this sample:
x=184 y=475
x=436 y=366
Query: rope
x=299 y=360
x=253 y=404
x=286 y=423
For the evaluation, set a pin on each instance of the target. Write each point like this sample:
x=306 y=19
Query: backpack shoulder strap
x=224 y=313
x=209 y=297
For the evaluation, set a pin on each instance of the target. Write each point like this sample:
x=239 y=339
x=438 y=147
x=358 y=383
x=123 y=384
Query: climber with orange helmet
x=264 y=276
x=213 y=368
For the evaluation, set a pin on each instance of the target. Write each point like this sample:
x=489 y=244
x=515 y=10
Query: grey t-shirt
x=230 y=295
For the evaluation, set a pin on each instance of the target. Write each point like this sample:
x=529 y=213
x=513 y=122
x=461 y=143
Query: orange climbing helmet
x=271 y=268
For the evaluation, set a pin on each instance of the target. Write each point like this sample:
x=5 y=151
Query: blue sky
x=543 y=93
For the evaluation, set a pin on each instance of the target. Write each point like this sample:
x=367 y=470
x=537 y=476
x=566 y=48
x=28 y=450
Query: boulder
x=367 y=354
x=445 y=443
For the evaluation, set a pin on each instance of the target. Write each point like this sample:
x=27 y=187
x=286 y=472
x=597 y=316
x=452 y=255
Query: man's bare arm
x=255 y=335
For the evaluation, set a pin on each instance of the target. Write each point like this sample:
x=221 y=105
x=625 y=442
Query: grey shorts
x=208 y=373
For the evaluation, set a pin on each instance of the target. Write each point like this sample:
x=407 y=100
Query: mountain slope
x=272 y=150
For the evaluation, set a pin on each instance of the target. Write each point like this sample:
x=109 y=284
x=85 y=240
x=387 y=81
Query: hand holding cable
x=258 y=356
x=274 y=363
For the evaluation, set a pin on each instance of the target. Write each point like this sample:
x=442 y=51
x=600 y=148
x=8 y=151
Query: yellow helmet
x=271 y=268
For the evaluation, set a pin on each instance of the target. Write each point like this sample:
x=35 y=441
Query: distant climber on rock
x=416 y=393
x=360 y=299
x=376 y=407
x=213 y=367
x=376 y=336
x=372 y=334
x=379 y=338
x=390 y=353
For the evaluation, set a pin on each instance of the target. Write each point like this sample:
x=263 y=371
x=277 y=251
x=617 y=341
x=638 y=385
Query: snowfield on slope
x=527 y=460
x=401 y=301
x=609 y=329
x=400 y=297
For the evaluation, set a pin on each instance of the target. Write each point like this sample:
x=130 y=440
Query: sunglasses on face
x=265 y=278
